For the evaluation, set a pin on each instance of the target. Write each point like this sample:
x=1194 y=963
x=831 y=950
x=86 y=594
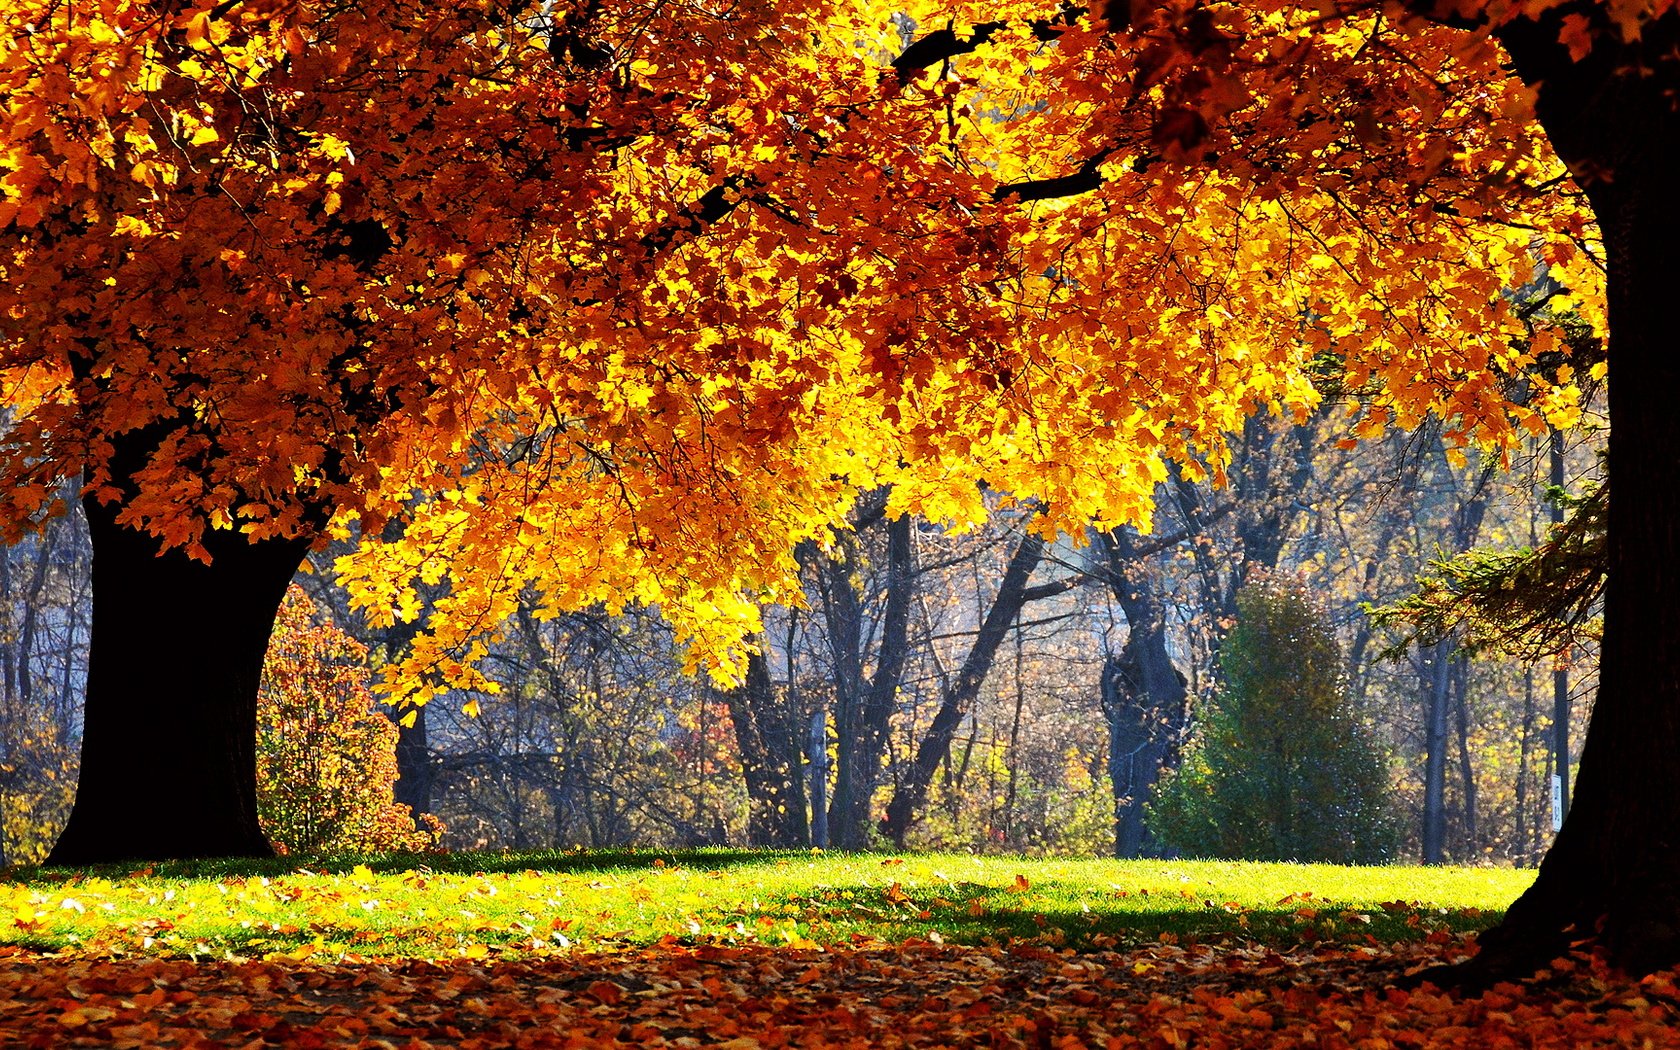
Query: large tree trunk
x=169 y=738
x=1615 y=867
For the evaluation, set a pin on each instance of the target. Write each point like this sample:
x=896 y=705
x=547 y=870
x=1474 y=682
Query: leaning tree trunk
x=169 y=763
x=1013 y=593
x=1614 y=870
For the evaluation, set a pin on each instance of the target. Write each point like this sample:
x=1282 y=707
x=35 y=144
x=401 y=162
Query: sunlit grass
x=478 y=904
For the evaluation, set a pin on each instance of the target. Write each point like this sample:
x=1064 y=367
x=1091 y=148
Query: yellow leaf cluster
x=616 y=305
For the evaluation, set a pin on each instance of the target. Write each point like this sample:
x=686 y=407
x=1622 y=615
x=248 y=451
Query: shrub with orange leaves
x=326 y=759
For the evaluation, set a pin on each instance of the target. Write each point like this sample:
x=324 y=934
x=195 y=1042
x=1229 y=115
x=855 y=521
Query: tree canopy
x=621 y=304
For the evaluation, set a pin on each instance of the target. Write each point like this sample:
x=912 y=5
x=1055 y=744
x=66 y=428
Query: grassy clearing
x=439 y=906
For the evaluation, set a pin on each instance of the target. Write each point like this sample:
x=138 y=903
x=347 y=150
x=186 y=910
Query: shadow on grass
x=967 y=913
x=864 y=906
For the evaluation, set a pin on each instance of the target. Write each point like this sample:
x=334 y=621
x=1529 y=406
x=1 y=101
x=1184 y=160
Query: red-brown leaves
x=915 y=995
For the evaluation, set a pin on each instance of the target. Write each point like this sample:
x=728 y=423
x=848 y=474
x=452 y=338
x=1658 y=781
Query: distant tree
x=1279 y=768
x=44 y=582
x=326 y=759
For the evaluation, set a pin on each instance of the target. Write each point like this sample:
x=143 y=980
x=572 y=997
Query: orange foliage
x=616 y=303
x=326 y=759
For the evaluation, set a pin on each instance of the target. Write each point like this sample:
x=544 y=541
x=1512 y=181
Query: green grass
x=436 y=906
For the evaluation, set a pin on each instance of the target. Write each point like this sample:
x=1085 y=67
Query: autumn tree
x=368 y=240
x=1341 y=106
x=326 y=756
x=278 y=265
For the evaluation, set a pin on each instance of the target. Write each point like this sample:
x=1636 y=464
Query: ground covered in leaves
x=744 y=949
x=911 y=995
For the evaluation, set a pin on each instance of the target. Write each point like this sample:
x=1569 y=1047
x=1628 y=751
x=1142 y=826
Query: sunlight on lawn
x=474 y=904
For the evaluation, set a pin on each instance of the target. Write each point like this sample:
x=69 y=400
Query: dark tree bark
x=169 y=737
x=764 y=728
x=863 y=705
x=1614 y=870
x=1144 y=699
x=416 y=765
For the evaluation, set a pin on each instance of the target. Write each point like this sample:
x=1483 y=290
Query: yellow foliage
x=326 y=758
x=619 y=309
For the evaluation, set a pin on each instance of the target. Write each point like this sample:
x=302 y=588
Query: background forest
x=988 y=690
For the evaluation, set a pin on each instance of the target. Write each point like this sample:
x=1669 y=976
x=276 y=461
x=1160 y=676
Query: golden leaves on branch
x=626 y=324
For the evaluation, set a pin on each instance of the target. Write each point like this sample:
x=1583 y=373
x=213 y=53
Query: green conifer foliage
x=1279 y=768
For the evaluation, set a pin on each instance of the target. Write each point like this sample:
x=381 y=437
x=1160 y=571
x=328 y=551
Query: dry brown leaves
x=916 y=995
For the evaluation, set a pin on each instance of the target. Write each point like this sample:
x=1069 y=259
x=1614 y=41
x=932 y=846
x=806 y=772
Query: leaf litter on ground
x=763 y=950
x=913 y=995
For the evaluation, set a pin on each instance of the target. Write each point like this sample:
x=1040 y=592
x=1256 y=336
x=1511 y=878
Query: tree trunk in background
x=1435 y=752
x=776 y=813
x=1525 y=753
x=1144 y=699
x=1268 y=500
x=864 y=706
x=1560 y=673
x=169 y=739
x=959 y=695
x=1466 y=770
x=818 y=750
x=1444 y=686
x=1390 y=524
x=1615 y=867
x=416 y=766
x=842 y=613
